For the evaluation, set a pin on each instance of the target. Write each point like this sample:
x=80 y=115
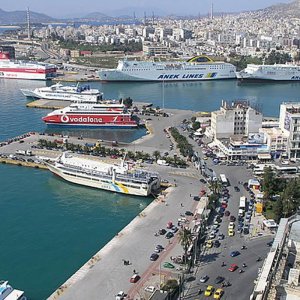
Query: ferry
x=18 y=69
x=7 y=292
x=100 y=175
x=277 y=72
x=62 y=92
x=92 y=115
x=197 y=68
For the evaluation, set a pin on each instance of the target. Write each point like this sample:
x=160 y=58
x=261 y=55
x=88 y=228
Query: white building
x=289 y=123
x=236 y=119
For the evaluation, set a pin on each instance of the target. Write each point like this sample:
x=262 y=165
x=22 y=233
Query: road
x=212 y=258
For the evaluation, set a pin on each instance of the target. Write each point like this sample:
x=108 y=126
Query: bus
x=224 y=180
x=242 y=206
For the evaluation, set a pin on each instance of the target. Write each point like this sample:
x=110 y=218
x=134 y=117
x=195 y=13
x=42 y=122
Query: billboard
x=256 y=138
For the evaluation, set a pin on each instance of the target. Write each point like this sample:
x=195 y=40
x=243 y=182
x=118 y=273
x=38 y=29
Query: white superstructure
x=7 y=292
x=279 y=72
x=97 y=174
x=63 y=92
x=196 y=68
x=17 y=69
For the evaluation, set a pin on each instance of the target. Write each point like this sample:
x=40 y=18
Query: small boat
x=7 y=292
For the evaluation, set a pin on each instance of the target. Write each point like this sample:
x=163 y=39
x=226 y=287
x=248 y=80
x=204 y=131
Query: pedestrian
x=190 y=195
x=181 y=204
x=134 y=272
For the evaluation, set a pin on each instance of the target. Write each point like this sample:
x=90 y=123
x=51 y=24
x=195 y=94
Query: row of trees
x=99 y=150
x=130 y=46
x=282 y=196
x=185 y=148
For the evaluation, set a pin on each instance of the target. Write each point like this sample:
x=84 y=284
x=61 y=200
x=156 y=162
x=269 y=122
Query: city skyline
x=74 y=8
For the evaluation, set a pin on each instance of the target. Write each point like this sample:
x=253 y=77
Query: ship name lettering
x=295 y=78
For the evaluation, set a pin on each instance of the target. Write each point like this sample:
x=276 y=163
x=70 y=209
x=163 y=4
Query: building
x=239 y=118
x=289 y=123
x=276 y=139
x=8 y=49
x=155 y=50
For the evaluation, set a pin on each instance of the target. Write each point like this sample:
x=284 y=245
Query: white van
x=241 y=212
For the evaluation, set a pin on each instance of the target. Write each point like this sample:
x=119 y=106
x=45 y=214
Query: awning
x=264 y=156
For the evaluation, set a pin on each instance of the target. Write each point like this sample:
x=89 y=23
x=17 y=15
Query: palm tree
x=156 y=154
x=185 y=238
x=215 y=186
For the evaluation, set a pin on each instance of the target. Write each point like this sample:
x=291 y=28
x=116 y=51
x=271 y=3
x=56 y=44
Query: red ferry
x=92 y=115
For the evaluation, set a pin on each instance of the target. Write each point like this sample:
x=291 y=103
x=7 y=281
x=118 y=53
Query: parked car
x=217 y=243
x=188 y=213
x=221 y=236
x=227 y=213
x=150 y=289
x=120 y=296
x=231 y=225
x=232 y=268
x=168 y=265
x=209 y=290
x=154 y=256
x=232 y=218
x=218 y=294
x=204 y=278
x=169 y=235
x=236 y=188
x=162 y=231
x=134 y=278
x=219 y=279
x=231 y=232
x=209 y=244
x=234 y=253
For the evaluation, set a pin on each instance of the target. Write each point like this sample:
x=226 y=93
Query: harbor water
x=49 y=227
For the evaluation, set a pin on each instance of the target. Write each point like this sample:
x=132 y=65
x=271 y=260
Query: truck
x=24 y=152
x=242 y=205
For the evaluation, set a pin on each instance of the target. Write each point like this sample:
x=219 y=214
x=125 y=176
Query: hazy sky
x=61 y=8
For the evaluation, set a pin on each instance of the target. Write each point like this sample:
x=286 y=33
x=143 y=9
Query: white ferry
x=100 y=175
x=196 y=68
x=7 y=292
x=277 y=72
x=62 y=92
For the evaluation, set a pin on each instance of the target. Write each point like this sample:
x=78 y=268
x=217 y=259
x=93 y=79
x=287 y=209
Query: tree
x=185 y=239
x=156 y=154
x=269 y=183
x=291 y=197
x=196 y=125
x=278 y=209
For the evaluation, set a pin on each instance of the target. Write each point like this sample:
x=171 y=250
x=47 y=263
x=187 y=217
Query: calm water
x=49 y=228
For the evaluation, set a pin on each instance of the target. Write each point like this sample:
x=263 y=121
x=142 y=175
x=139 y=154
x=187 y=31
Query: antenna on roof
x=153 y=18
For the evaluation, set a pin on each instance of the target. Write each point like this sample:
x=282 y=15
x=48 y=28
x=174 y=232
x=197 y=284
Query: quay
x=104 y=275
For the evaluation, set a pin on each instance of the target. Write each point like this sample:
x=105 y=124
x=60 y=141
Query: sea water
x=49 y=227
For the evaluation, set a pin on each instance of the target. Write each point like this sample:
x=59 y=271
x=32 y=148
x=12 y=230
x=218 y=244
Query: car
x=150 y=289
x=159 y=247
x=120 y=296
x=169 y=225
x=202 y=193
x=214 y=231
x=231 y=232
x=246 y=229
x=203 y=181
x=162 y=231
x=204 y=278
x=217 y=243
x=236 y=188
x=168 y=265
x=174 y=229
x=209 y=290
x=188 y=213
x=234 y=253
x=209 y=244
x=134 y=278
x=218 y=294
x=154 y=256
x=224 y=205
x=169 y=235
x=232 y=268
x=227 y=213
x=219 y=279
x=221 y=236
x=232 y=218
x=231 y=225
x=212 y=235
x=216 y=225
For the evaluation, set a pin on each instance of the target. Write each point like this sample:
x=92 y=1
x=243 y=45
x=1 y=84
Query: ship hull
x=98 y=184
x=24 y=75
x=165 y=75
x=90 y=121
x=56 y=96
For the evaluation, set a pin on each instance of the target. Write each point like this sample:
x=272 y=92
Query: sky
x=69 y=8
